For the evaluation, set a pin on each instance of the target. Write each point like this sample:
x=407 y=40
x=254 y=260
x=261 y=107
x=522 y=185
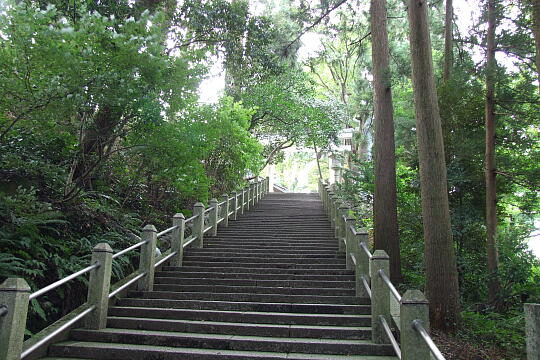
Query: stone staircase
x=272 y=285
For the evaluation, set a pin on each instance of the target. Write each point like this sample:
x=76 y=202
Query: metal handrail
x=117 y=290
x=353 y=258
x=220 y=220
x=207 y=210
x=57 y=331
x=166 y=231
x=365 y=248
x=231 y=198
x=388 y=283
x=56 y=284
x=207 y=229
x=366 y=285
x=133 y=247
x=388 y=332
x=189 y=240
x=3 y=310
x=353 y=230
x=165 y=259
x=417 y=324
x=232 y=212
x=222 y=203
x=191 y=218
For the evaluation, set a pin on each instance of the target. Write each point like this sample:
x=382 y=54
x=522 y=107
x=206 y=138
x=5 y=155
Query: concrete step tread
x=247 y=324
x=240 y=313
x=163 y=352
x=223 y=337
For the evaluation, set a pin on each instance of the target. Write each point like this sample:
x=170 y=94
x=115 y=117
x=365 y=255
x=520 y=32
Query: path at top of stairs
x=272 y=285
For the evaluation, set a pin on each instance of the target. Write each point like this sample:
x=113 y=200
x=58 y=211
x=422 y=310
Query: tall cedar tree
x=448 y=39
x=536 y=25
x=385 y=203
x=490 y=171
x=441 y=272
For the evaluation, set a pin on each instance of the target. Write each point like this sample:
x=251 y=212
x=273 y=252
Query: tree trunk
x=441 y=271
x=491 y=190
x=448 y=40
x=384 y=202
x=536 y=25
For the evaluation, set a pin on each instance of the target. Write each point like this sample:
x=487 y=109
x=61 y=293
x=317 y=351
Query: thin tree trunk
x=384 y=202
x=536 y=25
x=491 y=190
x=448 y=40
x=441 y=270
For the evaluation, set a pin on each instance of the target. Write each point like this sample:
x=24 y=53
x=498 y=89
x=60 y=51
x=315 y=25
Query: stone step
x=228 y=342
x=254 y=289
x=248 y=329
x=251 y=276
x=97 y=350
x=247 y=306
x=243 y=316
x=240 y=268
x=264 y=253
x=339 y=261
x=299 y=299
x=263 y=245
x=262 y=283
x=259 y=265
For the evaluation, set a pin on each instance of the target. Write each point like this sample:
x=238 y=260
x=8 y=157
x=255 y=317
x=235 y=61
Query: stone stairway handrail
x=409 y=312
x=15 y=292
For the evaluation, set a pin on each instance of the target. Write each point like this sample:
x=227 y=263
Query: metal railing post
x=235 y=204
x=362 y=264
x=147 y=259
x=532 y=330
x=214 y=216
x=225 y=211
x=14 y=293
x=380 y=296
x=414 y=307
x=242 y=200
x=177 y=242
x=99 y=286
x=253 y=195
x=349 y=246
x=198 y=224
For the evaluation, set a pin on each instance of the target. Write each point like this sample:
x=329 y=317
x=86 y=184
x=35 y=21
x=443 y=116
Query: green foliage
x=496 y=330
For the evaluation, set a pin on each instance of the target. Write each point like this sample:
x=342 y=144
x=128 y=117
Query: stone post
x=331 y=208
x=198 y=224
x=148 y=258
x=243 y=200
x=340 y=228
x=414 y=306
x=362 y=265
x=14 y=293
x=235 y=204
x=380 y=296
x=99 y=286
x=226 y=209
x=248 y=200
x=337 y=205
x=177 y=242
x=349 y=246
x=532 y=330
x=214 y=216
